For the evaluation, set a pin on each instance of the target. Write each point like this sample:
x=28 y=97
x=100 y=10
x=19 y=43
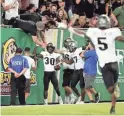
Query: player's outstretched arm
x=59 y=51
x=120 y=38
x=76 y=31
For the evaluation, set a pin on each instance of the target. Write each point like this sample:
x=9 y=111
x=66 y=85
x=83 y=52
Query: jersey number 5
x=101 y=41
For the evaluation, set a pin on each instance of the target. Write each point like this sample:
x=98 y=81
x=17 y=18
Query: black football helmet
x=50 y=48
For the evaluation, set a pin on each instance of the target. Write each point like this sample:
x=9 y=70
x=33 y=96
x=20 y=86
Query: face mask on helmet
x=104 y=22
x=66 y=42
x=72 y=46
x=50 y=48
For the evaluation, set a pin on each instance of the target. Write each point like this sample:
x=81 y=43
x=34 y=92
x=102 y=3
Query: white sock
x=59 y=97
x=46 y=101
x=71 y=95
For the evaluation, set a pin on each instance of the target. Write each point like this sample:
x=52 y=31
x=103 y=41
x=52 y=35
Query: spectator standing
x=11 y=9
x=51 y=12
x=119 y=13
x=42 y=9
x=89 y=8
x=35 y=2
x=79 y=9
x=18 y=66
x=90 y=71
x=62 y=16
x=100 y=6
x=32 y=65
x=30 y=14
x=81 y=22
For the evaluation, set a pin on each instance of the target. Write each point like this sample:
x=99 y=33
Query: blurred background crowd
x=75 y=13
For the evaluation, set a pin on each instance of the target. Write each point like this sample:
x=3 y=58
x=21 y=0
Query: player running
x=103 y=37
x=50 y=59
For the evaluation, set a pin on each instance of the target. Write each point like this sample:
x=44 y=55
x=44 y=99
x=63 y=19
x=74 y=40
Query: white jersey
x=49 y=61
x=67 y=56
x=13 y=12
x=31 y=64
x=78 y=61
x=104 y=41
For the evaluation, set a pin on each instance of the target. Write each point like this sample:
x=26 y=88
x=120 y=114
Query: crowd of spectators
x=75 y=13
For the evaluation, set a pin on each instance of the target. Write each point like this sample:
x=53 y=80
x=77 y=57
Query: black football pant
x=18 y=85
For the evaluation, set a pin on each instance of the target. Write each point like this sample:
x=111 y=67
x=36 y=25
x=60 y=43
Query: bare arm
x=7 y=7
x=23 y=71
x=35 y=39
x=67 y=61
x=43 y=36
x=120 y=38
x=59 y=51
x=82 y=53
x=76 y=31
x=114 y=19
x=11 y=70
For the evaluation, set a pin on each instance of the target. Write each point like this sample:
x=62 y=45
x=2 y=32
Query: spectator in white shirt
x=32 y=65
x=11 y=9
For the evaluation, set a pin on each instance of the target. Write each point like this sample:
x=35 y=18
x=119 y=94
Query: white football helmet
x=104 y=22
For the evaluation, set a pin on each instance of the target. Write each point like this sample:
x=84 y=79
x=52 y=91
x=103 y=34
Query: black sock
x=96 y=94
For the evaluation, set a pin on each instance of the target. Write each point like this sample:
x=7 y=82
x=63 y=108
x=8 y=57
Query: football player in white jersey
x=78 y=70
x=103 y=37
x=67 y=72
x=50 y=59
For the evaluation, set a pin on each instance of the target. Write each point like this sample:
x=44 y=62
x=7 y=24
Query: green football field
x=81 y=109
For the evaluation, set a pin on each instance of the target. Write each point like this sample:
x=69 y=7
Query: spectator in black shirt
x=33 y=28
x=52 y=12
x=31 y=8
x=79 y=7
x=89 y=8
x=100 y=7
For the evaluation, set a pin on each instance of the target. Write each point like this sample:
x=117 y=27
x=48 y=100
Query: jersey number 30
x=49 y=61
x=102 y=43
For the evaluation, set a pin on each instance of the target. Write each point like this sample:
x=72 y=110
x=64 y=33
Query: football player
x=78 y=70
x=67 y=72
x=50 y=59
x=103 y=38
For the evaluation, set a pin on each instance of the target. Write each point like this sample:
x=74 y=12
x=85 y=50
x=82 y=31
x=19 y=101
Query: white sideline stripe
x=52 y=105
x=64 y=115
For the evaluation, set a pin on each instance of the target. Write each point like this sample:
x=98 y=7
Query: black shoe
x=112 y=110
x=97 y=97
x=91 y=101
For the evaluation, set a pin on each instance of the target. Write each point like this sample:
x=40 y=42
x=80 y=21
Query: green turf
x=100 y=109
